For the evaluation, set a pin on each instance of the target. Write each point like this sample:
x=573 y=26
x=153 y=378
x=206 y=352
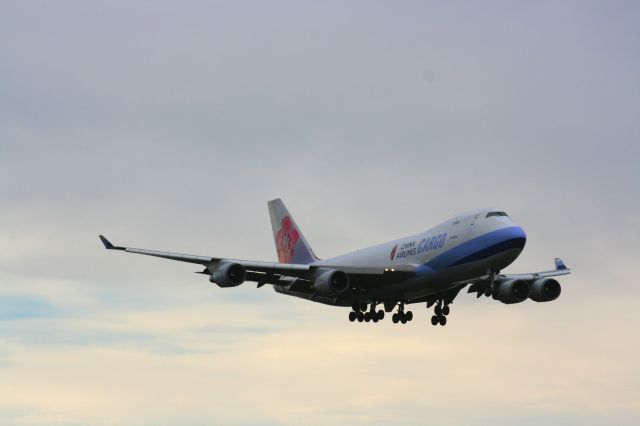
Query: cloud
x=169 y=127
x=533 y=362
x=20 y=306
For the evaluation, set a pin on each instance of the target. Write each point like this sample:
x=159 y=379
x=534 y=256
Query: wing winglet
x=560 y=264
x=108 y=245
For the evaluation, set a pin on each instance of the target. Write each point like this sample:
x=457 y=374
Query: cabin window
x=496 y=214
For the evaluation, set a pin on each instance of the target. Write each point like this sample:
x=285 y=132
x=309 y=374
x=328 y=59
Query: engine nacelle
x=511 y=291
x=545 y=290
x=331 y=282
x=228 y=274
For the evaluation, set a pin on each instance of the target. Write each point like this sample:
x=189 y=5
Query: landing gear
x=440 y=313
x=360 y=313
x=438 y=319
x=401 y=315
x=356 y=314
x=371 y=315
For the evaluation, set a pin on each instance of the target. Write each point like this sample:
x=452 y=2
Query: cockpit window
x=496 y=214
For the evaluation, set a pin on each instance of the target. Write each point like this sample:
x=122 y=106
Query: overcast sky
x=168 y=125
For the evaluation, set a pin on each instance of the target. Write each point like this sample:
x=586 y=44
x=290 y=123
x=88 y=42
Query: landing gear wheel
x=401 y=315
x=360 y=316
x=443 y=320
x=367 y=316
x=435 y=319
x=395 y=318
x=409 y=315
x=438 y=310
x=380 y=314
x=352 y=316
x=446 y=310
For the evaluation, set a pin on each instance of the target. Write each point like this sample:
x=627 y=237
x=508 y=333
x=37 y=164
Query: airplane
x=430 y=267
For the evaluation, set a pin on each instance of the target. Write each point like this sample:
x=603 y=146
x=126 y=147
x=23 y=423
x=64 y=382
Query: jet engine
x=545 y=290
x=331 y=282
x=227 y=274
x=511 y=291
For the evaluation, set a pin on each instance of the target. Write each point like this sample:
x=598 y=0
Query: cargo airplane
x=430 y=267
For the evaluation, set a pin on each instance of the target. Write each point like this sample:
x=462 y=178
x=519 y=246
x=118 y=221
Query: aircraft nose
x=518 y=237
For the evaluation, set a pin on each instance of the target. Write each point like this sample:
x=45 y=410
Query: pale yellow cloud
x=197 y=364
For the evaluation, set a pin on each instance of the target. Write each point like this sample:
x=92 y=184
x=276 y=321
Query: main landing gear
x=371 y=315
x=401 y=315
x=360 y=314
x=440 y=314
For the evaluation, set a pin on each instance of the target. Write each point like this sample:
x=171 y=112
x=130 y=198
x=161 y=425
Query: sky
x=168 y=125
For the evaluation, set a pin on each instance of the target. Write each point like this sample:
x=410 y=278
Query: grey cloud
x=168 y=126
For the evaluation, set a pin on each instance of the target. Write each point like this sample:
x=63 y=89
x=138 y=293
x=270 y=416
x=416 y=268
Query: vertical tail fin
x=291 y=245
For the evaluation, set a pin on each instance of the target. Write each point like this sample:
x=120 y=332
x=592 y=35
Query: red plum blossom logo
x=286 y=240
x=393 y=251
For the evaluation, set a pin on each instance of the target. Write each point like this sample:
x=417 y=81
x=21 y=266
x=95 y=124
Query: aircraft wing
x=561 y=269
x=250 y=265
x=266 y=268
x=480 y=285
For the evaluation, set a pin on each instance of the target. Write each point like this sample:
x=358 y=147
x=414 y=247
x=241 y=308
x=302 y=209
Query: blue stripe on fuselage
x=478 y=248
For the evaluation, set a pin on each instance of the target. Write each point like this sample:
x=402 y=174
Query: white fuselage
x=457 y=250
